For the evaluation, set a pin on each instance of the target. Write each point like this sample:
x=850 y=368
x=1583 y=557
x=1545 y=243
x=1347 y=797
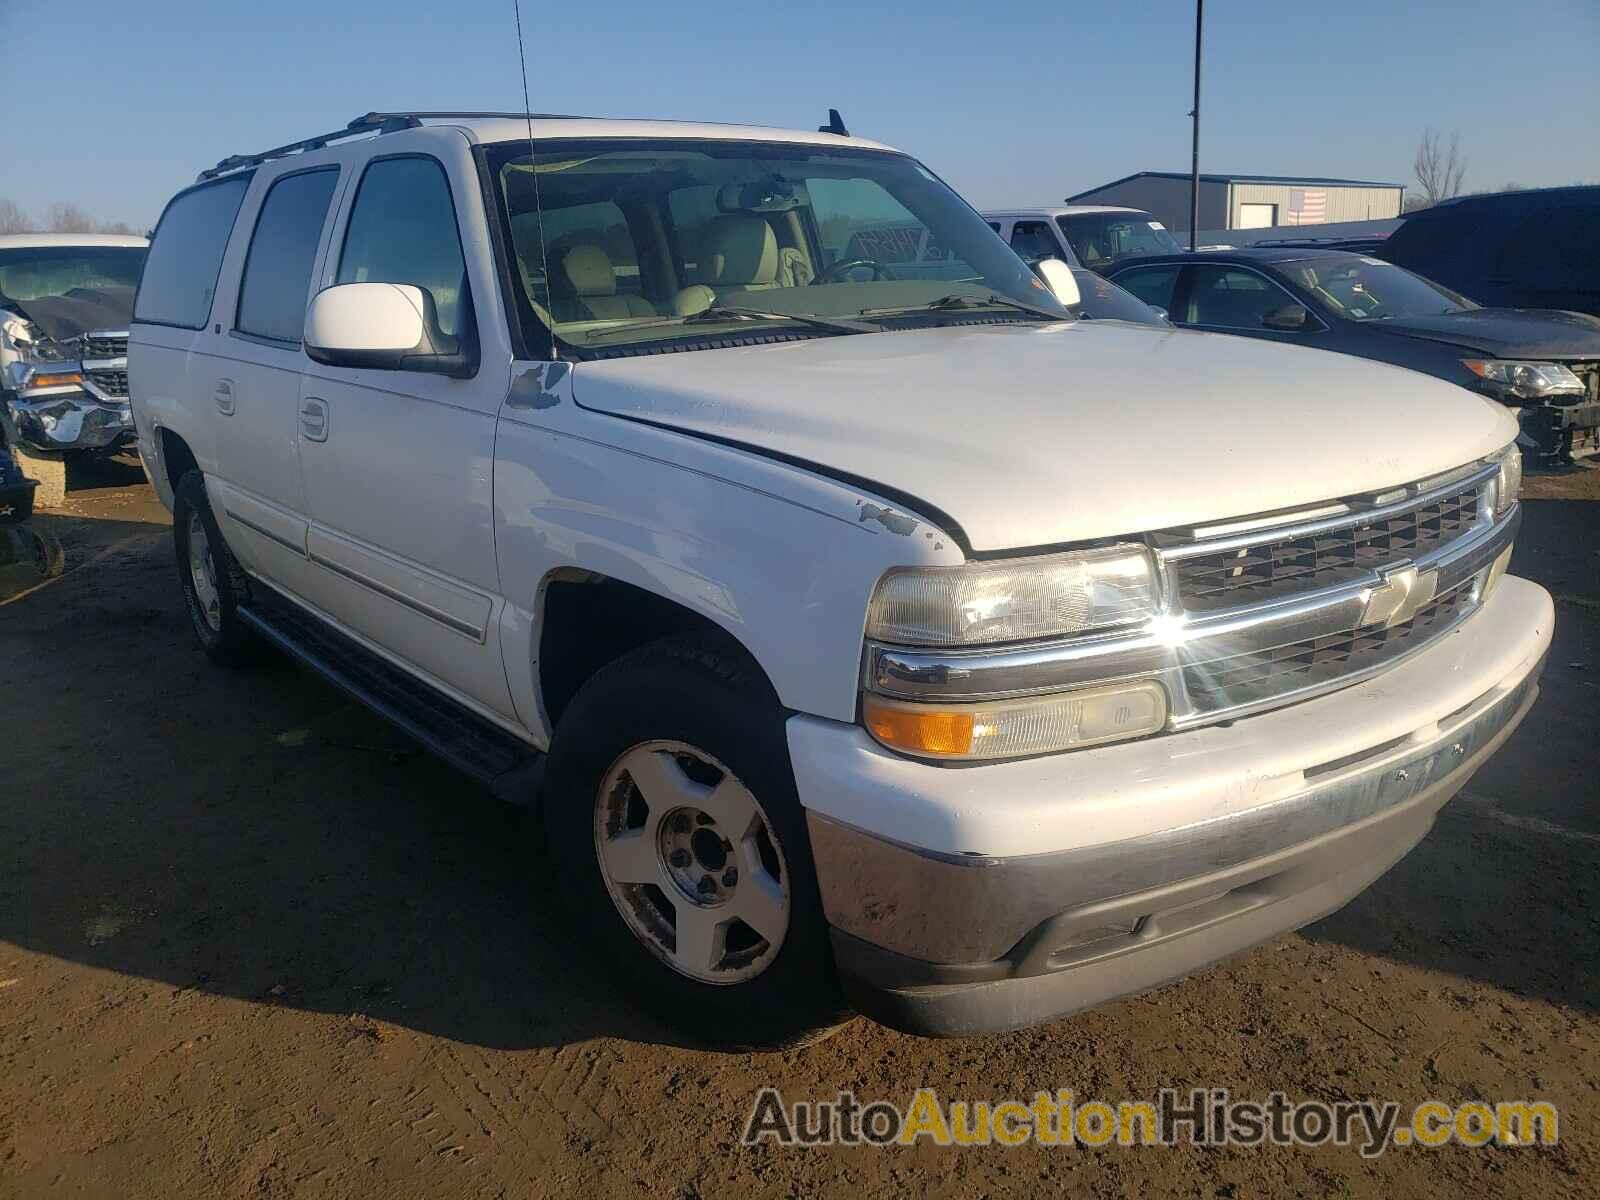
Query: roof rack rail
x=372 y=122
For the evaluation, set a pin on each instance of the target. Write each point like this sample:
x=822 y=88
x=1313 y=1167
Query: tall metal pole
x=1194 y=177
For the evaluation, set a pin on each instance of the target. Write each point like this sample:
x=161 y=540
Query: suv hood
x=1036 y=435
x=1506 y=332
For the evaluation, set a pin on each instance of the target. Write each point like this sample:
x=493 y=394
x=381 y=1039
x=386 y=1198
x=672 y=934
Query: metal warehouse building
x=1249 y=201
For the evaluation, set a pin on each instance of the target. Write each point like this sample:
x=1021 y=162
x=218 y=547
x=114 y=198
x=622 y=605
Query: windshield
x=36 y=272
x=1102 y=238
x=710 y=241
x=1367 y=289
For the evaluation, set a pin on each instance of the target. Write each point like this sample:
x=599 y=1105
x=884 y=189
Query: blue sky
x=1011 y=102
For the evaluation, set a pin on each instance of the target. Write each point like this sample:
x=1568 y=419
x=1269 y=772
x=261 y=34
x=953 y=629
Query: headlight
x=1016 y=600
x=1524 y=380
x=1508 y=484
x=1016 y=728
x=40 y=380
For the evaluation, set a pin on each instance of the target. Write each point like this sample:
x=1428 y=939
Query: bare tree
x=66 y=217
x=1439 y=168
x=12 y=218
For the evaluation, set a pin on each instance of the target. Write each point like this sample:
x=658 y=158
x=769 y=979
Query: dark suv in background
x=1533 y=249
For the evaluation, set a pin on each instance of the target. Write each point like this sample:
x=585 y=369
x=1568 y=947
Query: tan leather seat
x=740 y=253
x=584 y=288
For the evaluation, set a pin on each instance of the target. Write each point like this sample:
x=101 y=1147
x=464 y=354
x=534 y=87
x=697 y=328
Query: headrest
x=736 y=251
x=586 y=269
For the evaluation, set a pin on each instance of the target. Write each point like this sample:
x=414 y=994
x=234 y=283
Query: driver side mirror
x=1057 y=276
x=1291 y=318
x=384 y=327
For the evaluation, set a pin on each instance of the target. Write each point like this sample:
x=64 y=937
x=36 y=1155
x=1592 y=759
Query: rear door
x=398 y=465
x=249 y=373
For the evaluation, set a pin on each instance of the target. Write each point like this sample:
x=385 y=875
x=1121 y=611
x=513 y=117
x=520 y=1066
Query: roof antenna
x=835 y=124
x=533 y=165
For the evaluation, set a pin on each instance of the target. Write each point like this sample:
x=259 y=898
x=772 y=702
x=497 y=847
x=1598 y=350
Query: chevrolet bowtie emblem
x=1396 y=600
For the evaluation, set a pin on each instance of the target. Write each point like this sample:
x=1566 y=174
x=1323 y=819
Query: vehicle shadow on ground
x=254 y=835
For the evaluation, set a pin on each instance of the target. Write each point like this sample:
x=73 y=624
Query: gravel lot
x=250 y=943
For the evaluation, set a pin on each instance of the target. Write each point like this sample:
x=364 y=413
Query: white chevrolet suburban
x=858 y=632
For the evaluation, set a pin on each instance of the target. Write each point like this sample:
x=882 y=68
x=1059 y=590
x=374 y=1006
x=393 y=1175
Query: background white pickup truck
x=854 y=634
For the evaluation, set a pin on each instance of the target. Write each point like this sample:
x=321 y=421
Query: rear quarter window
x=180 y=276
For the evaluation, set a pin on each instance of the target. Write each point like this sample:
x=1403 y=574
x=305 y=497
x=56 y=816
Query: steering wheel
x=834 y=273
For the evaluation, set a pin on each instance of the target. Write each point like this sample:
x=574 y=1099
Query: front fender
x=783 y=559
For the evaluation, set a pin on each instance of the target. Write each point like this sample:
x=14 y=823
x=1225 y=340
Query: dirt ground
x=251 y=944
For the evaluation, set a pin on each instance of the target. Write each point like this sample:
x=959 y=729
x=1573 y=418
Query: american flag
x=1307 y=206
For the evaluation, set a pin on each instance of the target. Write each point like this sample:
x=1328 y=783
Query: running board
x=507 y=766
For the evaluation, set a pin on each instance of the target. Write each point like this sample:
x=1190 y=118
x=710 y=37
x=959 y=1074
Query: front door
x=398 y=465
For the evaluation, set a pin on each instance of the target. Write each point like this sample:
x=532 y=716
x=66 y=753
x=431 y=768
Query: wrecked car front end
x=72 y=395
x=65 y=305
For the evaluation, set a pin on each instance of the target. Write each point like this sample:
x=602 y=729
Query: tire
x=214 y=585
x=49 y=557
x=689 y=718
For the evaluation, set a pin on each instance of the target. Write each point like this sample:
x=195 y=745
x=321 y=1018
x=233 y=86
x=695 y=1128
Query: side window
x=180 y=276
x=1231 y=298
x=1034 y=240
x=1153 y=285
x=277 y=269
x=995 y=225
x=1555 y=250
x=403 y=230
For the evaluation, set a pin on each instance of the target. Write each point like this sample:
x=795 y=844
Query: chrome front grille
x=1308 y=601
x=105 y=345
x=1251 y=678
x=1285 y=566
x=111 y=383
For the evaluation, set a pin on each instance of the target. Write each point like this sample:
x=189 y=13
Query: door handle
x=314 y=419
x=224 y=397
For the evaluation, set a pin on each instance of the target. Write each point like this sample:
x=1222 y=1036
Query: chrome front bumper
x=71 y=420
x=951 y=944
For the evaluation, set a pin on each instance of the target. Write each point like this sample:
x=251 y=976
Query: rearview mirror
x=1057 y=276
x=383 y=327
x=1290 y=318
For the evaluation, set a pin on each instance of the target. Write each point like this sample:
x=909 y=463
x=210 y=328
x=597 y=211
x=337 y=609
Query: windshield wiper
x=722 y=312
x=956 y=302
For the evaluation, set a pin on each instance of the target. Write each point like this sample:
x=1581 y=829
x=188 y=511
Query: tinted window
x=1032 y=240
x=1153 y=285
x=1558 y=249
x=1102 y=238
x=1102 y=300
x=403 y=230
x=277 y=270
x=180 y=276
x=1231 y=298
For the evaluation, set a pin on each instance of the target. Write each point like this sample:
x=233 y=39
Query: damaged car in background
x=65 y=300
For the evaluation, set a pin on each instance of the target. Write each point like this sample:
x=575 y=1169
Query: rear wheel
x=214 y=585
x=680 y=847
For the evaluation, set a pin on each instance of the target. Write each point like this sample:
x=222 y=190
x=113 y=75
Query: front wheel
x=680 y=847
